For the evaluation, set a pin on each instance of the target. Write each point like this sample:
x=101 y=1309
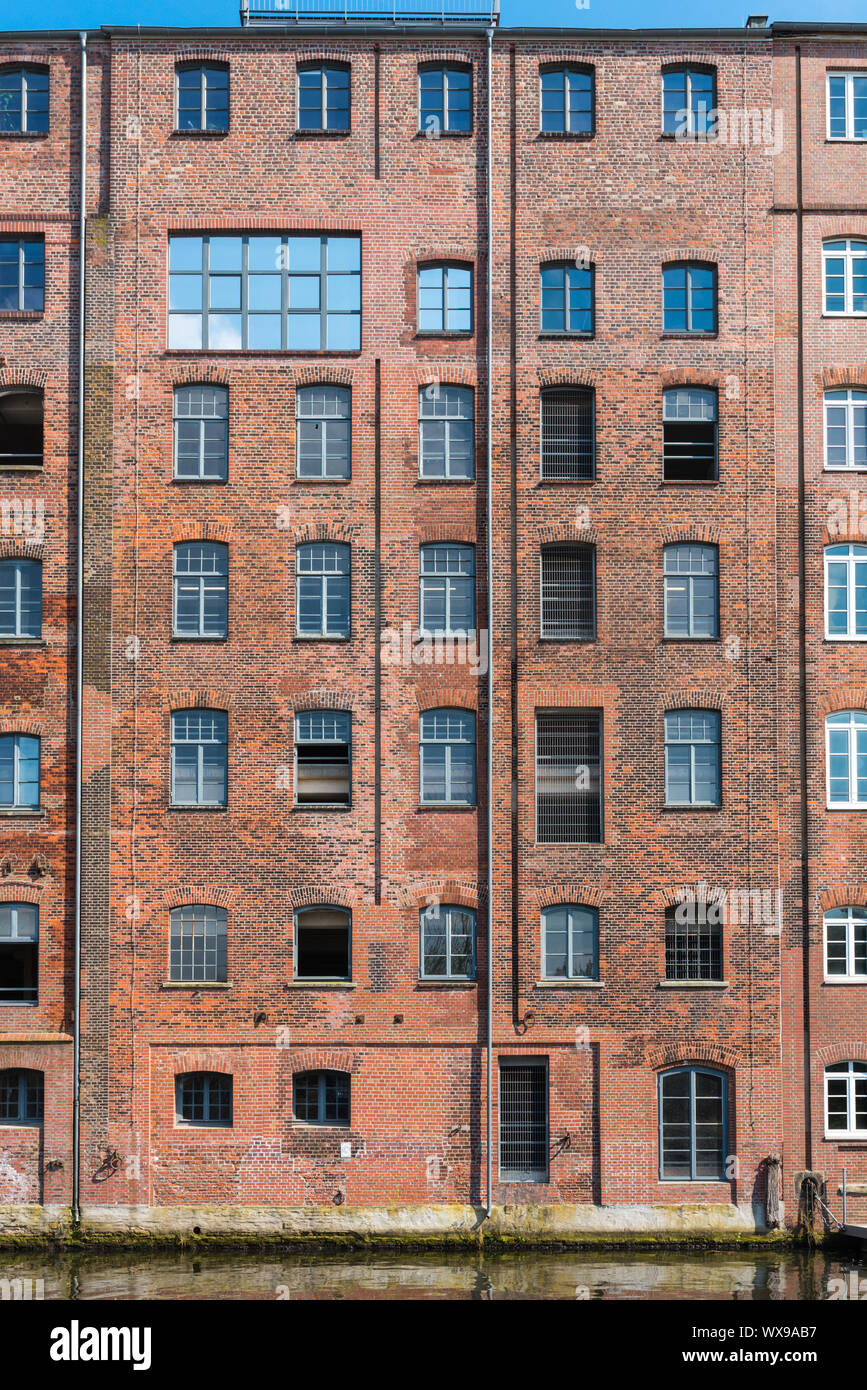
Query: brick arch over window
x=565 y=376
x=320 y=895
x=446 y=374
x=203 y=531
x=203 y=1059
x=446 y=697
x=442 y=252
x=567 y=531
x=201 y=699
x=460 y=533
x=338 y=532
x=323 y=55
x=201 y=376
x=602 y=697
x=835 y=228
x=20 y=893
x=842 y=1052
x=21 y=724
x=12 y=378
x=708 y=254
x=325 y=1059
x=837 y=702
x=199 y=53
x=208 y=894
x=323 y=375
x=848 y=895
x=579 y=253
x=683 y=1054
x=671 y=377
x=706 y=534
x=446 y=890
x=21 y=1058
x=323 y=698
x=837 y=378
x=678 y=698
x=12 y=548
x=585 y=895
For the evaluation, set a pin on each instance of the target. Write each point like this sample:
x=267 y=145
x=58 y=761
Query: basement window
x=19 y=937
x=689 y=435
x=323 y=746
x=322 y=944
x=21 y=425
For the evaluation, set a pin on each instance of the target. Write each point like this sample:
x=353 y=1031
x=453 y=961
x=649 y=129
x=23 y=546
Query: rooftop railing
x=255 y=13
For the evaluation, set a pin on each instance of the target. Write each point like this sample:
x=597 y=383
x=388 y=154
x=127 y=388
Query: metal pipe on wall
x=489 y=1029
x=79 y=652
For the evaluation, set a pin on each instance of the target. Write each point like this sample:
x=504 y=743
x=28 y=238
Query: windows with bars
x=447 y=590
x=19 y=772
x=20 y=598
x=846 y=591
x=693 y=1123
x=845 y=266
x=847 y=105
x=566 y=100
x=689 y=298
x=199 y=757
x=570 y=942
x=323 y=938
x=19 y=953
x=445 y=102
x=323 y=749
x=568 y=593
x=446 y=445
x=202 y=96
x=197 y=943
x=569 y=776
x=204 y=1098
x=845 y=429
x=447 y=758
x=447 y=943
x=201 y=589
x=322 y=589
x=692 y=758
x=22 y=275
x=321 y=1097
x=23 y=100
x=689 y=435
x=690 y=590
x=256 y=293
x=22 y=1096
x=323 y=419
x=445 y=299
x=323 y=97
x=846 y=1100
x=846 y=759
x=693 y=942
x=523 y=1097
x=846 y=944
x=568 y=433
x=567 y=296
x=201 y=429
x=689 y=102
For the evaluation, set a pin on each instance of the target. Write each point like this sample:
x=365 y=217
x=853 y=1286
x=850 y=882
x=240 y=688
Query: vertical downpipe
x=79 y=652
x=489 y=519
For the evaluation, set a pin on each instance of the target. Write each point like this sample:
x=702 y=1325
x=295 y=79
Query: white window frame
x=851 y=1075
x=855 y=397
x=857 y=555
x=857 y=722
x=849 y=256
x=849 y=977
x=850 y=106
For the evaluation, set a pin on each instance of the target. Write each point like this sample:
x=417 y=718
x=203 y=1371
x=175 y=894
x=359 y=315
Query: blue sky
x=601 y=14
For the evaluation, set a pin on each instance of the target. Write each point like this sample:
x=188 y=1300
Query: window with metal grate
x=569 y=776
x=568 y=434
x=693 y=949
x=568 y=597
x=523 y=1120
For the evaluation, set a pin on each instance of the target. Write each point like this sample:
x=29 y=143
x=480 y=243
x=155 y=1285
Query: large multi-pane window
x=846 y=591
x=20 y=598
x=847 y=105
x=445 y=432
x=523 y=1112
x=199 y=757
x=202 y=96
x=689 y=297
x=445 y=299
x=566 y=298
x=197 y=943
x=19 y=772
x=567 y=441
x=689 y=435
x=570 y=943
x=201 y=428
x=447 y=943
x=846 y=1100
x=323 y=418
x=690 y=590
x=692 y=1124
x=321 y=1097
x=693 y=942
x=568 y=591
x=846 y=759
x=447 y=589
x=23 y=100
x=203 y=1098
x=688 y=101
x=447 y=757
x=845 y=429
x=692 y=757
x=19 y=953
x=569 y=776
x=323 y=943
x=201 y=589
x=322 y=589
x=323 y=758
x=22 y=275
x=846 y=944
x=566 y=100
x=298 y=292
x=445 y=101
x=21 y=1096
x=323 y=97
x=845 y=266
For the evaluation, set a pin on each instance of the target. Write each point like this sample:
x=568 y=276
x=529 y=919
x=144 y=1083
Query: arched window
x=567 y=298
x=201 y=426
x=23 y=100
x=692 y=757
x=203 y=1098
x=845 y=265
x=321 y=1097
x=846 y=429
x=693 y=1106
x=689 y=435
x=445 y=298
x=323 y=418
x=846 y=944
x=323 y=758
x=445 y=432
x=570 y=942
x=447 y=589
x=445 y=98
x=323 y=937
x=568 y=434
x=846 y=759
x=19 y=772
x=688 y=101
x=323 y=96
x=201 y=589
x=21 y=420
x=202 y=96
x=322 y=589
x=566 y=100
x=567 y=608
x=447 y=942
x=846 y=1100
x=21 y=1097
x=689 y=297
x=846 y=591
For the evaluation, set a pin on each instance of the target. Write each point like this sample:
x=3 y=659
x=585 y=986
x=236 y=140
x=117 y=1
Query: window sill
x=329 y=806
x=693 y=984
x=184 y=482
x=846 y=140
x=566 y=134
x=22 y=314
x=859 y=981
x=23 y=812
x=21 y=467
x=570 y=984
x=565 y=482
x=436 y=333
x=689 y=807
x=176 y=639
x=843 y=316
x=320 y=637
x=689 y=482
x=444 y=135
x=845 y=1138
x=422 y=983
x=322 y=482
x=23 y=642
x=448 y=806
x=445 y=482
x=321 y=134
x=175 y=354
x=24 y=134
x=173 y=806
x=679 y=641
x=321 y=984
x=196 y=984
x=200 y=134
x=562 y=640
x=688 y=337
x=826 y=469
x=833 y=641
x=552 y=337
x=18 y=1004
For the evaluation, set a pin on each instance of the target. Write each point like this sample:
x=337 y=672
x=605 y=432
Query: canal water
x=656 y=1275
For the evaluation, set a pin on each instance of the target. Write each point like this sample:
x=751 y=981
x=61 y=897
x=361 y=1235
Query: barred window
x=23 y=100
x=22 y=275
x=202 y=97
x=201 y=426
x=204 y=1098
x=445 y=432
x=569 y=776
x=19 y=772
x=689 y=298
x=846 y=1100
x=689 y=435
x=846 y=943
x=21 y=1096
x=445 y=101
x=688 y=101
x=447 y=757
x=692 y=758
x=568 y=596
x=197 y=945
x=570 y=943
x=322 y=589
x=693 y=1104
x=845 y=429
x=323 y=96
x=199 y=757
x=20 y=598
x=566 y=100
x=445 y=299
x=322 y=943
x=693 y=941
x=201 y=589
x=691 y=590
x=523 y=1111
x=568 y=434
x=845 y=266
x=847 y=105
x=447 y=937
x=321 y=1097
x=323 y=416
x=19 y=953
x=846 y=759
x=567 y=298
x=323 y=748
x=447 y=590
x=21 y=427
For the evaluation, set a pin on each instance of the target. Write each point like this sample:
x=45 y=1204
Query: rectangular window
x=19 y=772
x=445 y=299
x=322 y=590
x=568 y=598
x=847 y=105
x=688 y=102
x=444 y=99
x=570 y=936
x=569 y=776
x=846 y=757
x=689 y=435
x=689 y=298
x=447 y=757
x=691 y=591
x=202 y=97
x=445 y=432
x=254 y=293
x=322 y=944
x=846 y=944
x=204 y=1098
x=23 y=100
x=321 y=1097
x=201 y=423
x=447 y=941
x=20 y=598
x=692 y=758
x=523 y=1096
x=845 y=429
x=201 y=589
x=447 y=590
x=22 y=275
x=567 y=299
x=322 y=758
x=19 y=953
x=323 y=97
x=199 y=757
x=693 y=941
x=323 y=417
x=197 y=949
x=566 y=100
x=567 y=434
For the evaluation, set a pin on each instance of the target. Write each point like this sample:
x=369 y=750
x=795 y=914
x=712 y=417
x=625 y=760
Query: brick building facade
x=300 y=364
